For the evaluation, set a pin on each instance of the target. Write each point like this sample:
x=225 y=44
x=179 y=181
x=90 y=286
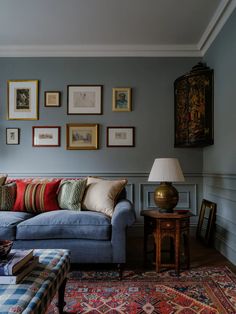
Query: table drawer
x=167 y=224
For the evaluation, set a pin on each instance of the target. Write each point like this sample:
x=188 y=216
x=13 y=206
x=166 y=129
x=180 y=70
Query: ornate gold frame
x=94 y=128
x=12 y=116
x=125 y=90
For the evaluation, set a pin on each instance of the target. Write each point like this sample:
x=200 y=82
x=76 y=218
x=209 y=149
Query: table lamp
x=166 y=171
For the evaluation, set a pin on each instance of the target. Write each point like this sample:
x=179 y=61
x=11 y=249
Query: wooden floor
x=200 y=255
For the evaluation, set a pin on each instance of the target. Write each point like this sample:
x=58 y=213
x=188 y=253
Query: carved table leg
x=61 y=293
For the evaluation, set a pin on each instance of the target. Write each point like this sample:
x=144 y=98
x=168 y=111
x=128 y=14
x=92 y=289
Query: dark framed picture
x=83 y=99
x=121 y=99
x=52 y=99
x=23 y=100
x=120 y=136
x=82 y=136
x=206 y=222
x=194 y=108
x=46 y=136
x=12 y=136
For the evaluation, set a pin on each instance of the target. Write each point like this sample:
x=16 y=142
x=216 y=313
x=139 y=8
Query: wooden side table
x=174 y=226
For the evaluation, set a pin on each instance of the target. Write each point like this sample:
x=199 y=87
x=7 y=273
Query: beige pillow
x=101 y=195
x=3 y=178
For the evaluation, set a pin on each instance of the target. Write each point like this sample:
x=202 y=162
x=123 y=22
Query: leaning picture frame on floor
x=22 y=99
x=206 y=222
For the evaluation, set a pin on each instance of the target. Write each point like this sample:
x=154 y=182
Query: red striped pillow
x=36 y=197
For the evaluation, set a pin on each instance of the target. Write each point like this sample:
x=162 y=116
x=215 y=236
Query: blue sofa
x=92 y=237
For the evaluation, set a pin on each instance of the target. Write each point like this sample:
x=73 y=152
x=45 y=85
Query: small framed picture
x=52 y=99
x=82 y=136
x=46 y=136
x=120 y=136
x=82 y=99
x=22 y=100
x=121 y=99
x=12 y=136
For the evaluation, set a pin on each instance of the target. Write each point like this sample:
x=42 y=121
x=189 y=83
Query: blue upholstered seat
x=8 y=222
x=66 y=224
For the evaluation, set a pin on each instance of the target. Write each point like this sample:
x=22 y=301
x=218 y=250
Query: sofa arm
x=123 y=216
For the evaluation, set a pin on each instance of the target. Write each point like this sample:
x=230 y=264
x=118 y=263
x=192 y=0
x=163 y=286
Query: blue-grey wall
x=153 y=113
x=151 y=80
x=219 y=163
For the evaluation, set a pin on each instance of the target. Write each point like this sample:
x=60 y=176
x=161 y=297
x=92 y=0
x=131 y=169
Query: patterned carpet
x=201 y=290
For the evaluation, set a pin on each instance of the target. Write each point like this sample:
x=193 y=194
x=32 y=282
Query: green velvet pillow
x=71 y=193
x=7 y=196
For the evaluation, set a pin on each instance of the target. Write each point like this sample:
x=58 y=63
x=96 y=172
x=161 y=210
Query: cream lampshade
x=166 y=171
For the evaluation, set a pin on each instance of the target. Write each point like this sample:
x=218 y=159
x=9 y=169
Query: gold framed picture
x=23 y=100
x=52 y=99
x=81 y=136
x=121 y=99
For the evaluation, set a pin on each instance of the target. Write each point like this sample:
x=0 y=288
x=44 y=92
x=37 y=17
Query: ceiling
x=110 y=27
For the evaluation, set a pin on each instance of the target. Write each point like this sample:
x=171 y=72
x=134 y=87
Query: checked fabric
x=35 y=292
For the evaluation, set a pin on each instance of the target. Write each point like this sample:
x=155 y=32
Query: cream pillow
x=101 y=195
x=3 y=178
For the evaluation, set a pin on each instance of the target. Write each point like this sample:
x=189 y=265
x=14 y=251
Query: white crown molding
x=99 y=51
x=217 y=22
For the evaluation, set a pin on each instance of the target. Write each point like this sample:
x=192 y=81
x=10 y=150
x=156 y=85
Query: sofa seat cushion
x=8 y=222
x=65 y=224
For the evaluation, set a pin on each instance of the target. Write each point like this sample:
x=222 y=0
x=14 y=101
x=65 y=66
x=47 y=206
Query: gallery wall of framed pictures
x=23 y=104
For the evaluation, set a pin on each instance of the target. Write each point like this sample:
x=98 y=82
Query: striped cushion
x=7 y=196
x=36 y=197
x=71 y=193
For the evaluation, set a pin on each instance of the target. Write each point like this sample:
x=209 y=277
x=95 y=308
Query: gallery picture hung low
x=46 y=136
x=120 y=136
x=82 y=136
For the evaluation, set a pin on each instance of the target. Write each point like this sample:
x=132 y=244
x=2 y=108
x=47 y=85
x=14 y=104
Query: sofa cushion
x=7 y=196
x=8 y=223
x=68 y=224
x=3 y=178
x=71 y=193
x=36 y=197
x=101 y=195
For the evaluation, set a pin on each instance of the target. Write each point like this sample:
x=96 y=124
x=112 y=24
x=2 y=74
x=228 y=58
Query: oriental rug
x=205 y=290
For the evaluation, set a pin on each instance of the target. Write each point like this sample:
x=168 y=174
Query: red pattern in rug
x=203 y=291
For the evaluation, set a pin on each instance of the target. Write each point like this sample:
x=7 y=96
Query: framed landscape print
x=12 y=136
x=82 y=136
x=82 y=99
x=52 y=99
x=194 y=108
x=46 y=136
x=121 y=99
x=23 y=100
x=120 y=136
